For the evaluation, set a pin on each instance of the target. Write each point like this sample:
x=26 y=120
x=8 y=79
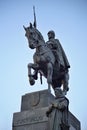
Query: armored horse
x=44 y=61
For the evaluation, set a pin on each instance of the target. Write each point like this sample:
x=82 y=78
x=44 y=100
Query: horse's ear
x=30 y=25
x=24 y=27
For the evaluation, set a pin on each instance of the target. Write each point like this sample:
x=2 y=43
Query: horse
x=44 y=60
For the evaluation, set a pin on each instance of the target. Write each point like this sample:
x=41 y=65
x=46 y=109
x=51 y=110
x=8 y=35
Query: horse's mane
x=39 y=35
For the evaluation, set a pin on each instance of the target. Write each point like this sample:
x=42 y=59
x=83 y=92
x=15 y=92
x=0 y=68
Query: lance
x=35 y=24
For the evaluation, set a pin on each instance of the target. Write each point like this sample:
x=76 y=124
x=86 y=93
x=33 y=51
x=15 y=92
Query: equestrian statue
x=49 y=59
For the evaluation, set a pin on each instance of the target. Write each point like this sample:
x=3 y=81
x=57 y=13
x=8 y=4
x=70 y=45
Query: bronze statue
x=58 y=112
x=49 y=59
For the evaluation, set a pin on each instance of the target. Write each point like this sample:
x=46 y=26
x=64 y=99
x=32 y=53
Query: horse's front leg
x=49 y=74
x=32 y=77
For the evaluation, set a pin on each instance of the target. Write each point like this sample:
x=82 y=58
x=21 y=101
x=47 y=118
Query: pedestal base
x=33 y=113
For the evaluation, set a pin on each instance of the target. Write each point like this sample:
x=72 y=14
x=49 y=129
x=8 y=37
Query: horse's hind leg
x=49 y=73
x=65 y=83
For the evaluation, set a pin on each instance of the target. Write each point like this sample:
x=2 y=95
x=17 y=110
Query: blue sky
x=68 y=18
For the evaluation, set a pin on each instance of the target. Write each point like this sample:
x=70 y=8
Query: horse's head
x=34 y=37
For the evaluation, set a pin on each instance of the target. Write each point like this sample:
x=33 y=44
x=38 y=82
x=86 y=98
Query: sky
x=68 y=18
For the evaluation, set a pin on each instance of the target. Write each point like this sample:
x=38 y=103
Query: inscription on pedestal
x=30 y=117
x=30 y=120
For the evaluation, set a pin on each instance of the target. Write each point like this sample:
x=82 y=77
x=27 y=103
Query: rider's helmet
x=51 y=33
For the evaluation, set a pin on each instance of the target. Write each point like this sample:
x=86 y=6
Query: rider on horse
x=60 y=56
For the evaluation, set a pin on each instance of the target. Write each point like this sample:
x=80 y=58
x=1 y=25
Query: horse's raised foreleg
x=31 y=76
x=49 y=74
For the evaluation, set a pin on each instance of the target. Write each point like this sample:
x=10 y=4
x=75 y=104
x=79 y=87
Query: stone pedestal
x=33 y=113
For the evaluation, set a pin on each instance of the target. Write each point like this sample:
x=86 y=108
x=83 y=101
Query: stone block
x=36 y=100
x=33 y=113
x=30 y=120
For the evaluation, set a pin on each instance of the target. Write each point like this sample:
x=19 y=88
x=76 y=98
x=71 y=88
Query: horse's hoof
x=32 y=81
x=49 y=81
